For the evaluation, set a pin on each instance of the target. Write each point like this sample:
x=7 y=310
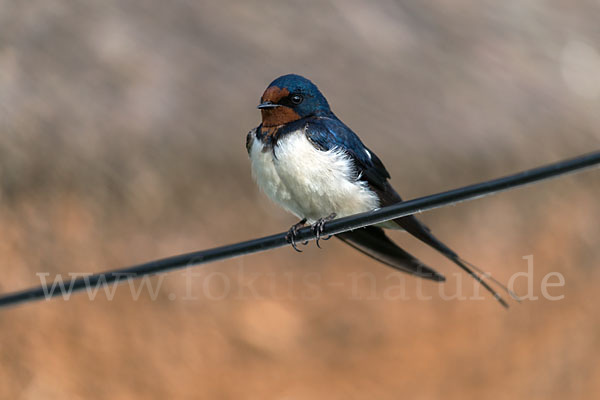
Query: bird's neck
x=276 y=117
x=270 y=133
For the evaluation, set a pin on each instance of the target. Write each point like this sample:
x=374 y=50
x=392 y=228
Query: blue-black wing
x=329 y=132
x=373 y=242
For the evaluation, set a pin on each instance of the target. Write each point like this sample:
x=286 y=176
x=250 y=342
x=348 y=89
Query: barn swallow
x=309 y=162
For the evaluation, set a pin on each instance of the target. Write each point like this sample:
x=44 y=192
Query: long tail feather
x=373 y=242
x=420 y=231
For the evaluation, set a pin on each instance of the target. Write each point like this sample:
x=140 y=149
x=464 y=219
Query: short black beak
x=267 y=105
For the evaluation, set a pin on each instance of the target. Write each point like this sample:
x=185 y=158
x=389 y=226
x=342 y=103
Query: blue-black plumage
x=308 y=161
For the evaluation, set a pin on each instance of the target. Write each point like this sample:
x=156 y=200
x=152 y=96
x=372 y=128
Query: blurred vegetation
x=122 y=129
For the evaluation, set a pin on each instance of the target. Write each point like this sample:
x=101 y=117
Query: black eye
x=296 y=99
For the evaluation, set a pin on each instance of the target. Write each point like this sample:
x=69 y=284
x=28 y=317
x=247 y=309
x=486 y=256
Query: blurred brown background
x=122 y=129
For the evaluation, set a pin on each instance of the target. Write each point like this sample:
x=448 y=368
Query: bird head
x=290 y=98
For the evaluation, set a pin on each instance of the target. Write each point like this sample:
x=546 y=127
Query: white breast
x=308 y=182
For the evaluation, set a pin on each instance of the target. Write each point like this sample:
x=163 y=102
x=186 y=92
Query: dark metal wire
x=331 y=228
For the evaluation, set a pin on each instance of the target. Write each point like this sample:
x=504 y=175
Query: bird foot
x=318 y=227
x=293 y=232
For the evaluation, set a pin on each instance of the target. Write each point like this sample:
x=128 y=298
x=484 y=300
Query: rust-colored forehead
x=274 y=94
